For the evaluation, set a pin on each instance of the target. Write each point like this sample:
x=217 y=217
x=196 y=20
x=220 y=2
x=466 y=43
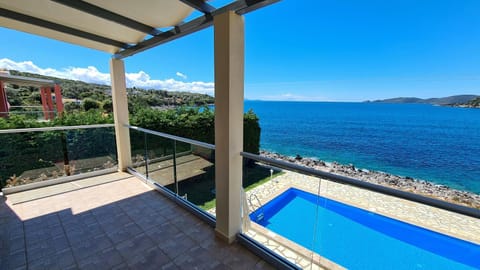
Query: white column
x=120 y=113
x=229 y=80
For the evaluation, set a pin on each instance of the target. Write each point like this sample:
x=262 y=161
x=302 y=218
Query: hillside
x=474 y=103
x=451 y=100
x=79 y=91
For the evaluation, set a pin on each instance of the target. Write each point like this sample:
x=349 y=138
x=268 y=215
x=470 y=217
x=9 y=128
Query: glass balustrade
x=34 y=155
x=184 y=167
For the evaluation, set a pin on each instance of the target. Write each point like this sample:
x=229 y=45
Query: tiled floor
x=116 y=225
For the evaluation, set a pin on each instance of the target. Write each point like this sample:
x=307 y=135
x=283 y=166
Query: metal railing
x=173 y=137
x=23 y=130
x=183 y=167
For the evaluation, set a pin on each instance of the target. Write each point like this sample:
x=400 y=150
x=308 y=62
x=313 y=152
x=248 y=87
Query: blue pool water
x=358 y=239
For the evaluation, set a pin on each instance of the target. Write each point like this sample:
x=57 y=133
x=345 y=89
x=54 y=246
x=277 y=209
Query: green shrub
x=71 y=106
x=195 y=123
x=89 y=104
x=107 y=106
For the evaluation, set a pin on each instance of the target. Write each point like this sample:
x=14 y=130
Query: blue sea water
x=434 y=143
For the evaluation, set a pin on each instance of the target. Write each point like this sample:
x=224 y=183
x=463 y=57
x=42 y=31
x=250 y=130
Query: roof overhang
x=20 y=80
x=122 y=28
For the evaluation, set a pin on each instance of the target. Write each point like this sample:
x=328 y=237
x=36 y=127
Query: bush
x=107 y=106
x=71 y=106
x=195 y=123
x=89 y=104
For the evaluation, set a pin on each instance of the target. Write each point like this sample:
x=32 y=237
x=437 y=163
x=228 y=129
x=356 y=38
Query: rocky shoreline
x=394 y=181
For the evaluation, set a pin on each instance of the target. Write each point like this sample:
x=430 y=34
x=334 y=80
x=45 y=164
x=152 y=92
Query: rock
x=406 y=183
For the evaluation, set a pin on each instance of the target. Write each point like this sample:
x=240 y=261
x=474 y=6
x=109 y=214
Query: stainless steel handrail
x=173 y=137
x=460 y=209
x=20 y=130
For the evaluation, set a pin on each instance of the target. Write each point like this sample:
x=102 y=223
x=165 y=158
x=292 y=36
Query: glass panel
x=30 y=157
x=195 y=169
x=88 y=149
x=137 y=144
x=160 y=160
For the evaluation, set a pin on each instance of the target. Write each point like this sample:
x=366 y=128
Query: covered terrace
x=124 y=29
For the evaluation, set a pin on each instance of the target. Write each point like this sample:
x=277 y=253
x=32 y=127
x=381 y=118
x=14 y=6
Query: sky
x=310 y=50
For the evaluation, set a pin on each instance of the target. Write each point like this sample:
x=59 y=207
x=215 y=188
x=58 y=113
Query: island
x=470 y=101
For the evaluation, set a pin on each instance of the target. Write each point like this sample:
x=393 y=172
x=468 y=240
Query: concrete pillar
x=229 y=80
x=120 y=113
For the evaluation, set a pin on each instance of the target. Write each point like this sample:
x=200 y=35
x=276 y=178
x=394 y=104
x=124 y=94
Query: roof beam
x=199 y=5
x=108 y=15
x=252 y=5
x=60 y=28
x=240 y=7
x=174 y=33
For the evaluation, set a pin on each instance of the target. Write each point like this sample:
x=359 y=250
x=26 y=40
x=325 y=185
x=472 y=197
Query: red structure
x=45 y=87
x=4 y=106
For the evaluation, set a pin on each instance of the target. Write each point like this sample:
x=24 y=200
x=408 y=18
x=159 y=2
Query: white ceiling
x=154 y=13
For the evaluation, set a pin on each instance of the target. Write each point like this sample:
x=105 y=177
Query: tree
x=107 y=106
x=89 y=104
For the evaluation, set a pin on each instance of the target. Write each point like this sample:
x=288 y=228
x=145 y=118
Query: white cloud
x=91 y=74
x=181 y=75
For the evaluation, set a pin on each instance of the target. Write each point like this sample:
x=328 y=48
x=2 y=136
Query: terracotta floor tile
x=113 y=225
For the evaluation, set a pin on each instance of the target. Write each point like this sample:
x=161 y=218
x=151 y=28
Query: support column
x=43 y=95
x=48 y=95
x=58 y=99
x=120 y=113
x=229 y=80
x=3 y=101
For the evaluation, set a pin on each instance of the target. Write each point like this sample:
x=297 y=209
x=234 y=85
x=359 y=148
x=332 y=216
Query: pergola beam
x=177 y=32
x=60 y=28
x=239 y=7
x=199 y=5
x=252 y=5
x=109 y=15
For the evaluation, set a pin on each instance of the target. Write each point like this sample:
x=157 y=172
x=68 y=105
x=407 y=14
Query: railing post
x=229 y=80
x=175 y=180
x=120 y=113
x=146 y=153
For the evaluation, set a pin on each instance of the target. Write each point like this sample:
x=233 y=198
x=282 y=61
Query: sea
x=439 y=144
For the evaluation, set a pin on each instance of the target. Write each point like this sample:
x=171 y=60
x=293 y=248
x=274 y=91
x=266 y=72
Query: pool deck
x=456 y=225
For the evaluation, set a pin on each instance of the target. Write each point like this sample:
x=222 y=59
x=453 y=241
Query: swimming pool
x=358 y=239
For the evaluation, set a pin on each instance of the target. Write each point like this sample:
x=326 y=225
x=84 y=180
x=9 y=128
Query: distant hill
x=79 y=91
x=474 y=103
x=452 y=100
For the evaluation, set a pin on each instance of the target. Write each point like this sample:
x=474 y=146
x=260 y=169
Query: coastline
x=408 y=184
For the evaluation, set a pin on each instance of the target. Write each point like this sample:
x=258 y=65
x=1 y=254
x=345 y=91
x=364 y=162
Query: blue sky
x=328 y=50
